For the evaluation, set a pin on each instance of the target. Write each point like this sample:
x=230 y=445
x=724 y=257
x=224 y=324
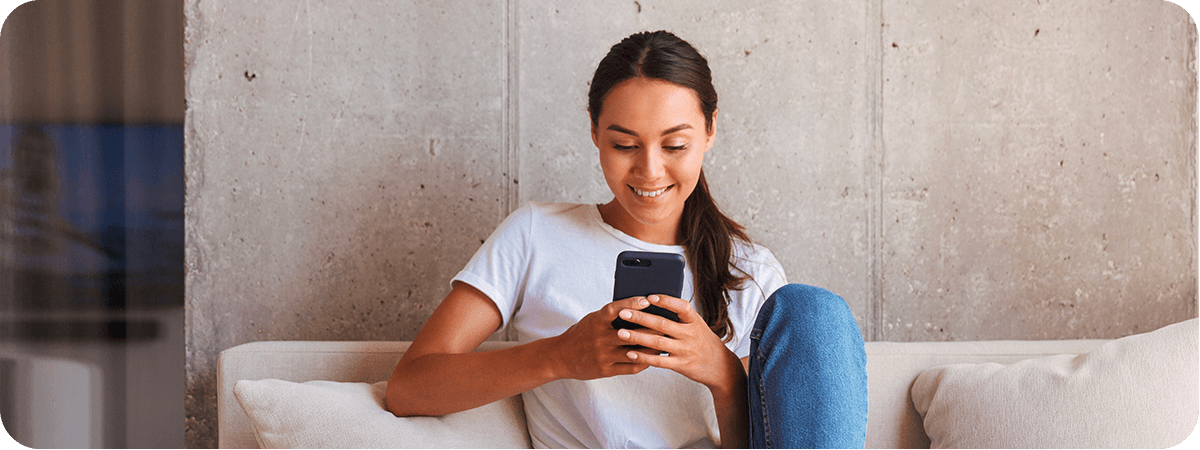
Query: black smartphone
x=641 y=274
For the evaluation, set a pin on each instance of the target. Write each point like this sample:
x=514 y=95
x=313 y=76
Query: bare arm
x=733 y=408
x=441 y=357
x=440 y=373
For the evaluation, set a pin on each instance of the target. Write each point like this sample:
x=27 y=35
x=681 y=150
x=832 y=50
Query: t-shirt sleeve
x=767 y=276
x=499 y=266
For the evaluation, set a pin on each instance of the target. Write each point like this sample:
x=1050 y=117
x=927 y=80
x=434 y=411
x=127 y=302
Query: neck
x=661 y=234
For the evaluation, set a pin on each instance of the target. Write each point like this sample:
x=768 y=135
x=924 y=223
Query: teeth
x=649 y=193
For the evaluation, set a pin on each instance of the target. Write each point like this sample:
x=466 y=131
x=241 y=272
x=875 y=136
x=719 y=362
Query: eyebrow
x=621 y=129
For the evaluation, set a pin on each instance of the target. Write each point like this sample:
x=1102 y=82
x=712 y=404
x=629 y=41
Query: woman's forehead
x=649 y=105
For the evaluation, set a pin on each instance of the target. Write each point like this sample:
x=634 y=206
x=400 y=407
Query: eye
x=624 y=147
x=676 y=148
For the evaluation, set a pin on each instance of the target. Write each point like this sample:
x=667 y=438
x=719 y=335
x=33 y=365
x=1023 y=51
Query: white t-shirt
x=546 y=267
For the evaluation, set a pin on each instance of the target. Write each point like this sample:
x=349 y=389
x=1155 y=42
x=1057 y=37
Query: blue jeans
x=808 y=372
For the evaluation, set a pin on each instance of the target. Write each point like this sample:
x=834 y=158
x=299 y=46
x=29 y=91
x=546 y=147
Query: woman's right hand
x=591 y=349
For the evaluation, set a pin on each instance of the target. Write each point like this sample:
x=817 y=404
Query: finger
x=676 y=305
x=613 y=308
x=653 y=359
x=651 y=321
x=650 y=340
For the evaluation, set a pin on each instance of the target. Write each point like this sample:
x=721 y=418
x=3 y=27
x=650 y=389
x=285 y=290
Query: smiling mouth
x=650 y=194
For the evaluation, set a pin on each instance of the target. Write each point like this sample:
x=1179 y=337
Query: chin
x=658 y=216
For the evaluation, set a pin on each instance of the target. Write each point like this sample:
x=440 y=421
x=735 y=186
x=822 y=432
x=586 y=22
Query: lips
x=650 y=194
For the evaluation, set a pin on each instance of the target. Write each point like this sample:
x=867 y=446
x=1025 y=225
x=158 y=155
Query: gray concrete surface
x=1039 y=169
x=1006 y=170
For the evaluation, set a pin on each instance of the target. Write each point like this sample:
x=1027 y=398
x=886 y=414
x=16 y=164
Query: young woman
x=752 y=360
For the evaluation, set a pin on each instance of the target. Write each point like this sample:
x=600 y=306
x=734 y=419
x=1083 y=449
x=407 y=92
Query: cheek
x=612 y=167
x=691 y=169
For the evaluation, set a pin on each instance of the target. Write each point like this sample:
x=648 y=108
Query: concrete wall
x=956 y=170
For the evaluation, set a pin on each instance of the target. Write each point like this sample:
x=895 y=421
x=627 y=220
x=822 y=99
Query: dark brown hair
x=707 y=234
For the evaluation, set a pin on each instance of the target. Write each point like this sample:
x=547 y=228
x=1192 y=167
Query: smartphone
x=641 y=274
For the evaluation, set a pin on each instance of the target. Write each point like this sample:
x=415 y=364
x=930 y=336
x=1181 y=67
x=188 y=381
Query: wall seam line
x=511 y=133
x=876 y=150
x=510 y=159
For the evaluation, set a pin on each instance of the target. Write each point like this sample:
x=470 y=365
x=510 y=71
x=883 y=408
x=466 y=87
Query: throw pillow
x=327 y=414
x=1139 y=391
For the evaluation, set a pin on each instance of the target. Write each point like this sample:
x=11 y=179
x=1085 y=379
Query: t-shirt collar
x=594 y=212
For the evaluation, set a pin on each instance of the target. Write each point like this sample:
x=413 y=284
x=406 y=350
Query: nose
x=650 y=164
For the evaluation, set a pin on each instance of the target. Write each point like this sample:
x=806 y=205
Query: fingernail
x=654 y=298
x=626 y=314
x=632 y=355
x=624 y=334
x=643 y=302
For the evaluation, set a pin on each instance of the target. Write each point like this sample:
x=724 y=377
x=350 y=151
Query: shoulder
x=534 y=211
x=553 y=214
x=551 y=209
x=760 y=264
x=537 y=221
x=753 y=257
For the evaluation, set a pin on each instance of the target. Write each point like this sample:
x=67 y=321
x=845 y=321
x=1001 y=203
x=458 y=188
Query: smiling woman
x=746 y=349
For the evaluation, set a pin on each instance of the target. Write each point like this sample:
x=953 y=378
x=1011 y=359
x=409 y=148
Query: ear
x=595 y=141
x=712 y=132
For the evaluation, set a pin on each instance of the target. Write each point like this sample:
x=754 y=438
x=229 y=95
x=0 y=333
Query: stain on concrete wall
x=955 y=170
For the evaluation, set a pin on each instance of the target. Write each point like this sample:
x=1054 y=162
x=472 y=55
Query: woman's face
x=652 y=137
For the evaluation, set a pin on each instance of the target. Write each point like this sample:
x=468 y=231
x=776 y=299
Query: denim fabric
x=808 y=372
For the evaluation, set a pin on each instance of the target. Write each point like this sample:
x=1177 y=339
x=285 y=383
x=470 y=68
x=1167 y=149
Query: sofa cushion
x=1135 y=392
x=327 y=414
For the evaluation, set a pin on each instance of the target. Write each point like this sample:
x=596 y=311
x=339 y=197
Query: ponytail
x=708 y=239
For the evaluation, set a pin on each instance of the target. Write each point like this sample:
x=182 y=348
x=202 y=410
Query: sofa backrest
x=892 y=367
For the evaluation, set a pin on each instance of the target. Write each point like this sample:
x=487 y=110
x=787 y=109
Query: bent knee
x=802 y=309
x=798 y=300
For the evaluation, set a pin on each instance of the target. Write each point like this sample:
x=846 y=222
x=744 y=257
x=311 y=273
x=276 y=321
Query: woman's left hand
x=693 y=350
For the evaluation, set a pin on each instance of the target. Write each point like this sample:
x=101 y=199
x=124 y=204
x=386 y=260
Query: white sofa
x=893 y=369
